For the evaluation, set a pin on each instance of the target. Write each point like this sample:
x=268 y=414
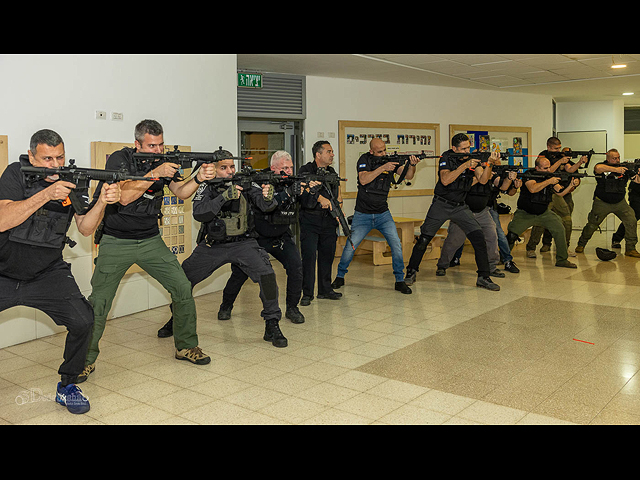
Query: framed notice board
x=513 y=140
x=176 y=222
x=403 y=138
x=4 y=153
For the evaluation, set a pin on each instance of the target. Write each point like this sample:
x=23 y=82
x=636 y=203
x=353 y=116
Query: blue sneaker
x=72 y=397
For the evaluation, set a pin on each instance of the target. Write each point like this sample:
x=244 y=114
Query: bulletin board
x=175 y=225
x=403 y=138
x=4 y=152
x=514 y=140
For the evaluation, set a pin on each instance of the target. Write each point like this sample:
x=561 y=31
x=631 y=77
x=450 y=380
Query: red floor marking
x=582 y=341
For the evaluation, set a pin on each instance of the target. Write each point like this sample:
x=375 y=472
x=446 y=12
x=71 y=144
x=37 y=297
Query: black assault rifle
x=81 y=178
x=247 y=176
x=573 y=154
x=632 y=168
x=402 y=161
x=563 y=176
x=483 y=157
x=145 y=162
x=328 y=180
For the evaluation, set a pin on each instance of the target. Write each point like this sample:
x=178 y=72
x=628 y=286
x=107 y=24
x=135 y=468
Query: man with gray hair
x=276 y=237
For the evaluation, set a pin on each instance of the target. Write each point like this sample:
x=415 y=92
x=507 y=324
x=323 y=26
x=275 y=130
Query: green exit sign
x=250 y=80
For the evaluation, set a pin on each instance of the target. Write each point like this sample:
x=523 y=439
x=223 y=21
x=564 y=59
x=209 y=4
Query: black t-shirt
x=611 y=189
x=373 y=197
x=535 y=203
x=128 y=222
x=19 y=261
x=458 y=190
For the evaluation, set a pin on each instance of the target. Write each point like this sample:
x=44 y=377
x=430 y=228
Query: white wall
x=332 y=100
x=193 y=96
x=632 y=146
x=594 y=116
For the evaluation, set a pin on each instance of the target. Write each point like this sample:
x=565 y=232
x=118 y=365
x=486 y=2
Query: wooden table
x=407 y=231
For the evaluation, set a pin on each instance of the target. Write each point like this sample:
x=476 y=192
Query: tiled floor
x=449 y=354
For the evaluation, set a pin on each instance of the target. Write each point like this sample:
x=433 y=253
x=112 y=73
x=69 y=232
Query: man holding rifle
x=610 y=198
x=34 y=220
x=318 y=228
x=275 y=236
x=372 y=210
x=132 y=236
x=458 y=171
x=540 y=185
x=562 y=204
x=228 y=236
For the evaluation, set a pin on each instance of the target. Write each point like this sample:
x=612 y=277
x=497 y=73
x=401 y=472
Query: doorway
x=260 y=139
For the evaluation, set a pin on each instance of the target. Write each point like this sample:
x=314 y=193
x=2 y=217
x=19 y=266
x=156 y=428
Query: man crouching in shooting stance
x=34 y=220
x=275 y=236
x=533 y=208
x=457 y=174
x=132 y=236
x=228 y=236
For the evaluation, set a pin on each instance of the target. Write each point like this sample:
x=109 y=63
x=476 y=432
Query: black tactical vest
x=45 y=228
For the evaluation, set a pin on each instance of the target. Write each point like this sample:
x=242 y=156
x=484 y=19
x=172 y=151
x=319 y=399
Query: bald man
x=372 y=210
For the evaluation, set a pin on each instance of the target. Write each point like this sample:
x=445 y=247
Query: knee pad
x=477 y=237
x=269 y=286
x=512 y=238
x=423 y=243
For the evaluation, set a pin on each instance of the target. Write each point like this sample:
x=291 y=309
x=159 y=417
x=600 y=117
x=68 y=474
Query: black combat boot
x=274 y=335
x=225 y=312
x=403 y=288
x=167 y=330
x=294 y=314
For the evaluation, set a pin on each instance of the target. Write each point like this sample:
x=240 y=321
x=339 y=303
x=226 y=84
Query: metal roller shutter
x=281 y=97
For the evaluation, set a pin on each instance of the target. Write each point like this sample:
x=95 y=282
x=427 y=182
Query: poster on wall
x=400 y=138
x=515 y=141
x=4 y=152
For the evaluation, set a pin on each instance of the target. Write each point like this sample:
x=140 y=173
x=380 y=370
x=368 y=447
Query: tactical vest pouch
x=614 y=185
x=544 y=197
x=230 y=223
x=145 y=206
x=43 y=229
x=280 y=217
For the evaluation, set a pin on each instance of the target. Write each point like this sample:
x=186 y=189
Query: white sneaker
x=572 y=254
x=531 y=254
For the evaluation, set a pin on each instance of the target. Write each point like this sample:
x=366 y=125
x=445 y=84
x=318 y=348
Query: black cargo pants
x=440 y=212
x=285 y=251
x=249 y=257
x=56 y=293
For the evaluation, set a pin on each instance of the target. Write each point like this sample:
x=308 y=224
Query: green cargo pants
x=549 y=221
x=564 y=207
x=601 y=210
x=115 y=258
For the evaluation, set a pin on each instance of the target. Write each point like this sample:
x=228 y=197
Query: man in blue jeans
x=372 y=211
